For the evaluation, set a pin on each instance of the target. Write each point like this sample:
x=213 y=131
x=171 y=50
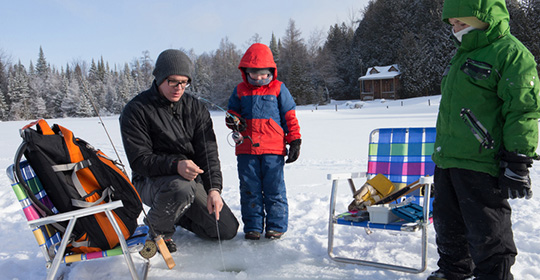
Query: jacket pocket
x=476 y=69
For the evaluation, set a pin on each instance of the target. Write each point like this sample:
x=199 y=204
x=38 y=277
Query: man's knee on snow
x=177 y=197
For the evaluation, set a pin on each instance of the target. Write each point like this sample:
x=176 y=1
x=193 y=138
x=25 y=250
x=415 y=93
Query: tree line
x=409 y=33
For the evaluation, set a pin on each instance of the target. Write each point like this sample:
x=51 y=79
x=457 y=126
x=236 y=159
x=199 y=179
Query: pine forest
x=408 y=33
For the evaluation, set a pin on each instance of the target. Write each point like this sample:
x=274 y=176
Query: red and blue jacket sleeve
x=287 y=110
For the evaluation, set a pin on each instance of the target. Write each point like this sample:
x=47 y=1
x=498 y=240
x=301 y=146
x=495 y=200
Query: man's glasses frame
x=173 y=83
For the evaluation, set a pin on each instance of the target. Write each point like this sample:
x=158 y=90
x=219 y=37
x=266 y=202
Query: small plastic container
x=381 y=214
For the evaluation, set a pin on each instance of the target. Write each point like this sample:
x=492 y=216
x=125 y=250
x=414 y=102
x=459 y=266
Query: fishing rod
x=150 y=248
x=106 y=132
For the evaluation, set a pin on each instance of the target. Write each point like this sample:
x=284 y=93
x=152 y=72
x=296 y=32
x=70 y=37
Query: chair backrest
x=47 y=237
x=403 y=155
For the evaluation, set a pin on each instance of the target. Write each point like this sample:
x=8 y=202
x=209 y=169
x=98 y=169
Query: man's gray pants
x=174 y=201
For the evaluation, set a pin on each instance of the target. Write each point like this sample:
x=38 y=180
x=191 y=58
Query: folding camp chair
x=50 y=240
x=403 y=155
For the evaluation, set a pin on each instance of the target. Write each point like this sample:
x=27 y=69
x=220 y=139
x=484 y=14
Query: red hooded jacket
x=269 y=110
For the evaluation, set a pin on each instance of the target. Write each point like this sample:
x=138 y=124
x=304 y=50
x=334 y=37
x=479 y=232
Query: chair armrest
x=344 y=176
x=76 y=213
x=426 y=180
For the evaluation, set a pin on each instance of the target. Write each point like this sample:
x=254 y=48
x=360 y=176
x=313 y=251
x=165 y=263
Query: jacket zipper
x=478 y=130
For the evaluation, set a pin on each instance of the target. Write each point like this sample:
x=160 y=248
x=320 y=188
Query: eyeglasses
x=173 y=83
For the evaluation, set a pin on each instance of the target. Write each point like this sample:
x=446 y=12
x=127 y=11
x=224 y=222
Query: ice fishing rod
x=237 y=137
x=106 y=131
x=213 y=206
x=149 y=250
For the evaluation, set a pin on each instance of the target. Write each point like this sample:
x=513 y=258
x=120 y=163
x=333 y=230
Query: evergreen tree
x=58 y=94
x=19 y=93
x=274 y=47
x=379 y=32
x=142 y=75
x=93 y=86
x=3 y=106
x=340 y=75
x=42 y=68
x=146 y=68
x=68 y=72
x=3 y=90
x=294 y=68
x=31 y=69
x=113 y=102
x=101 y=70
x=78 y=73
x=523 y=15
x=39 y=89
x=3 y=77
x=300 y=85
x=70 y=103
x=84 y=107
x=425 y=50
x=126 y=86
x=93 y=75
x=38 y=108
x=202 y=84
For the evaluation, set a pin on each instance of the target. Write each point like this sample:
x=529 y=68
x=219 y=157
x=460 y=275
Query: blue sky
x=119 y=31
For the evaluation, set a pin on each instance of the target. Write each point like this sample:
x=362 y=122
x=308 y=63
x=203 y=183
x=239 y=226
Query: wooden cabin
x=380 y=82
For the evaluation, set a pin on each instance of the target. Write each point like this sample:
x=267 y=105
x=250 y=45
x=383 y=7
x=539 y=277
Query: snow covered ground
x=334 y=141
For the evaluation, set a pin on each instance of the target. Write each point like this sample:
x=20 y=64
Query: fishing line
x=220 y=247
x=211 y=186
x=237 y=137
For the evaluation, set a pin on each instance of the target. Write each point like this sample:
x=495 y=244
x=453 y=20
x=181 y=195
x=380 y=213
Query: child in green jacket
x=487 y=135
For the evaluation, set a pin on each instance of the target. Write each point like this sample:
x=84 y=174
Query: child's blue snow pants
x=262 y=192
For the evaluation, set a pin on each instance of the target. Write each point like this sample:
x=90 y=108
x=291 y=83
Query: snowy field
x=334 y=140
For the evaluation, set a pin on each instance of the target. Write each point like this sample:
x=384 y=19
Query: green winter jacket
x=494 y=76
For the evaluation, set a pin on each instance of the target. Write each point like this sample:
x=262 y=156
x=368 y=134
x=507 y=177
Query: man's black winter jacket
x=158 y=133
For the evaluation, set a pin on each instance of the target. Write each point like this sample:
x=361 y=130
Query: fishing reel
x=237 y=137
x=234 y=123
x=149 y=250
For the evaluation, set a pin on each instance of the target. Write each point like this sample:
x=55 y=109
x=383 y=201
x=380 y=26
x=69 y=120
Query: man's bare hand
x=214 y=203
x=188 y=169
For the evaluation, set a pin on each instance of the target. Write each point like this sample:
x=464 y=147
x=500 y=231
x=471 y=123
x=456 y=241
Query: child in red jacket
x=262 y=109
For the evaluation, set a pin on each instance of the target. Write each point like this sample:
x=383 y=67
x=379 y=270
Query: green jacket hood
x=493 y=12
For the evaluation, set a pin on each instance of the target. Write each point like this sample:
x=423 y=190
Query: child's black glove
x=235 y=123
x=514 y=180
x=294 y=150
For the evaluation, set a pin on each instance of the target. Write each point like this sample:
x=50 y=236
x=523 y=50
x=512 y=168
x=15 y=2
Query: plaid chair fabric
x=403 y=155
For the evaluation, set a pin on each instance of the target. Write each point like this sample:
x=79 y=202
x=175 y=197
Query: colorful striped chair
x=403 y=155
x=50 y=239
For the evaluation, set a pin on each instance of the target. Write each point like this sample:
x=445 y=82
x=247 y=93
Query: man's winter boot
x=440 y=275
x=437 y=275
x=170 y=245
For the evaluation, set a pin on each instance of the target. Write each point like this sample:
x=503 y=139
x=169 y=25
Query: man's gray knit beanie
x=172 y=62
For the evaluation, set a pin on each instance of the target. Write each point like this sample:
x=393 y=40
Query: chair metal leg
x=62 y=250
x=331 y=219
x=123 y=244
x=423 y=226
